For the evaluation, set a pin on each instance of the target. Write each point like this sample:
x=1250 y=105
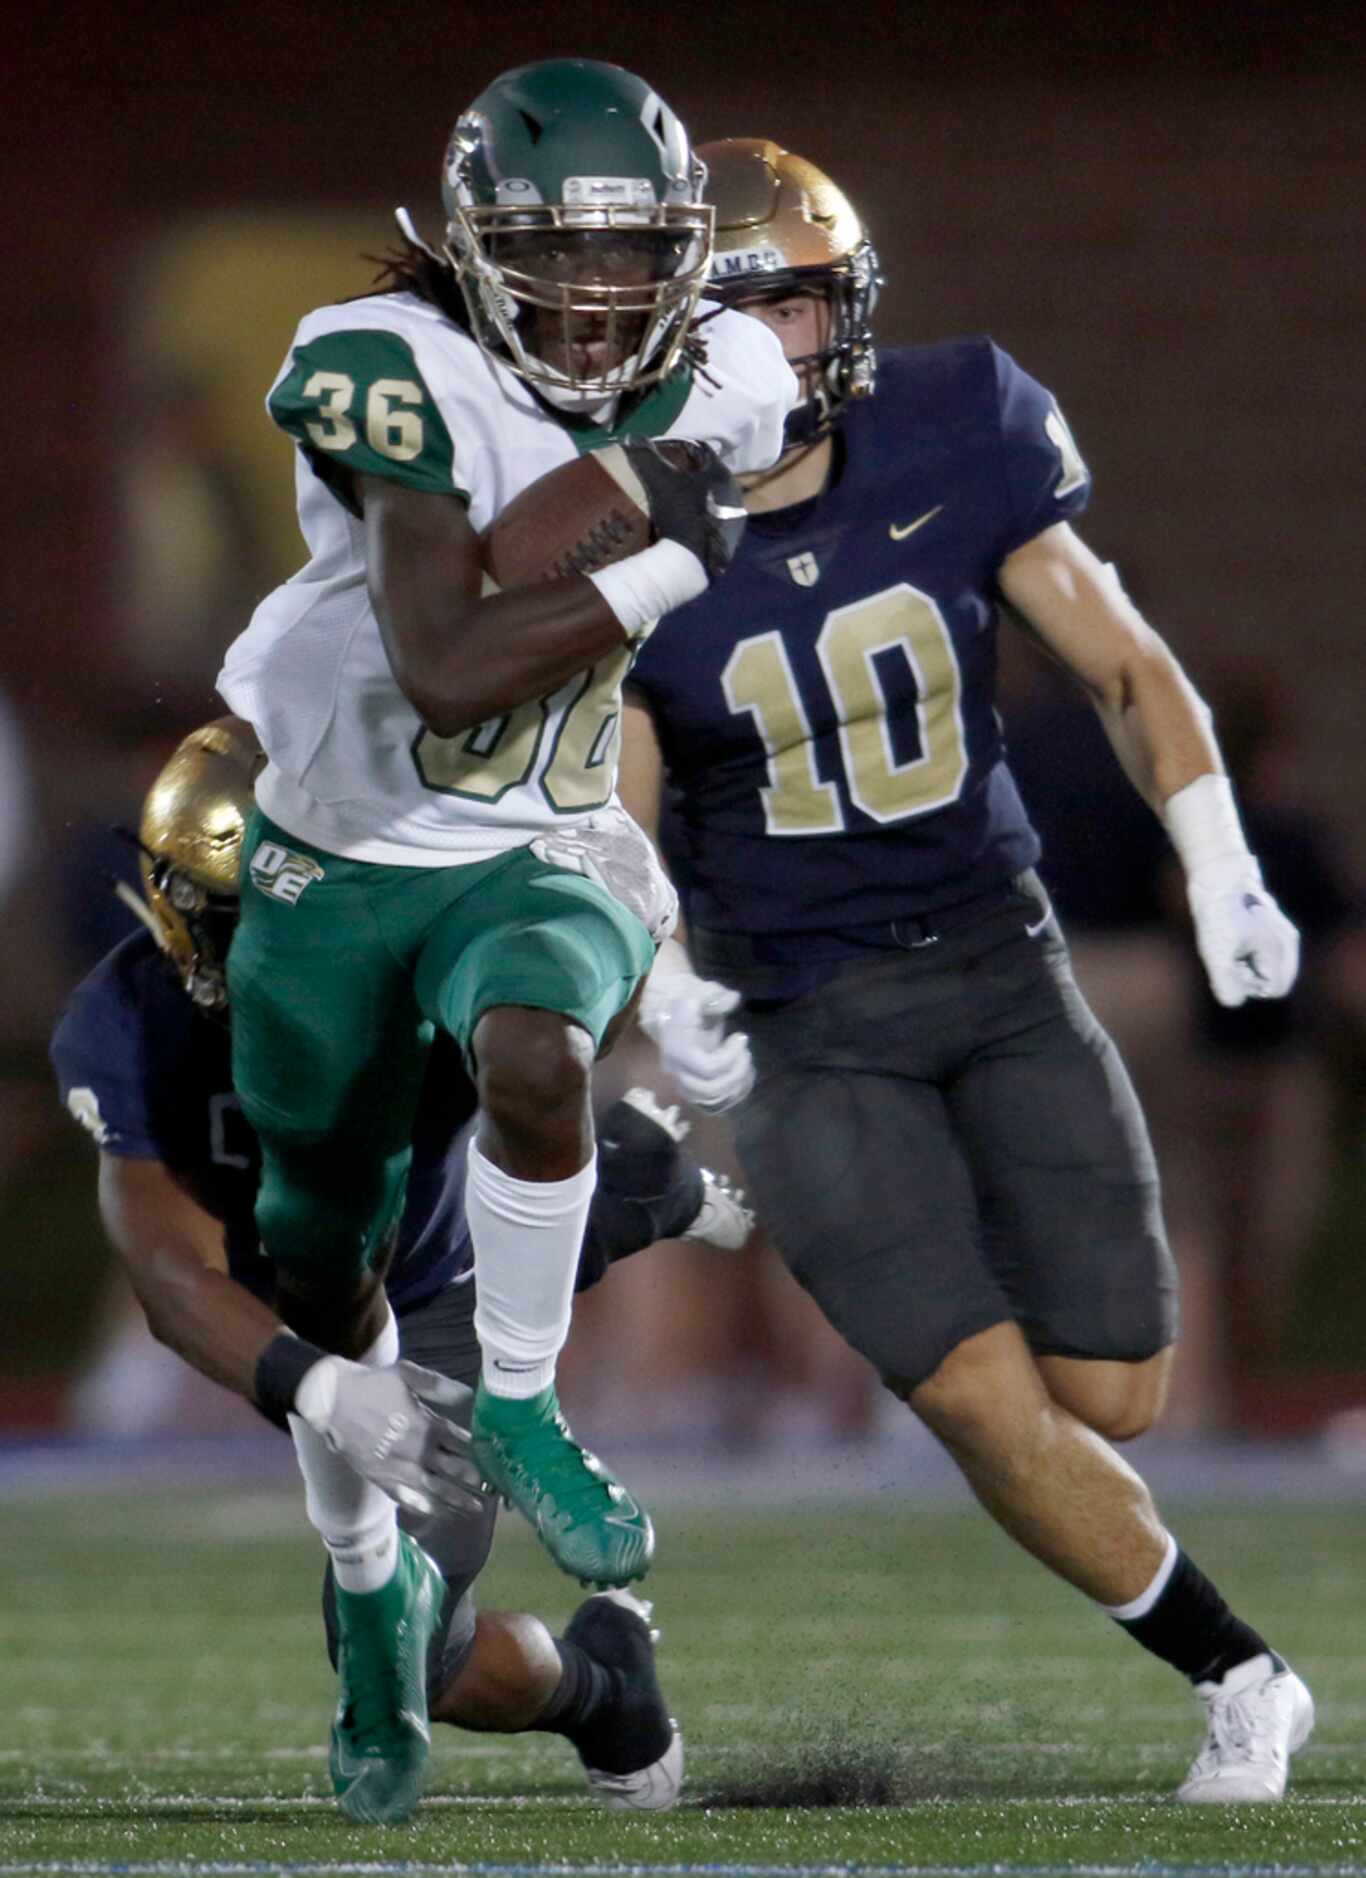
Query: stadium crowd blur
x=1205 y=289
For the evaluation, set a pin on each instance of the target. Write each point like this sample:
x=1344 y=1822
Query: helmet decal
x=743 y=263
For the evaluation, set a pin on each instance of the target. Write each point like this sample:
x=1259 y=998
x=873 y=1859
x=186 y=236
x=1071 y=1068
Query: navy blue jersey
x=826 y=712
x=150 y=1076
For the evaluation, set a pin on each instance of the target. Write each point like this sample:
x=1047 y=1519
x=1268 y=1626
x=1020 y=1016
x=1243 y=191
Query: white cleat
x=652 y=1789
x=723 y=1219
x=1258 y=1716
x=628 y=1650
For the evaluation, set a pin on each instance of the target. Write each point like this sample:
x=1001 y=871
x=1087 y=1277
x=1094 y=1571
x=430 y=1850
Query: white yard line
x=353 y=1868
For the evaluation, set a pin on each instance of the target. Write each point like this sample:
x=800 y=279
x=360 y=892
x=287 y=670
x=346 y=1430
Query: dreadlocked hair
x=409 y=268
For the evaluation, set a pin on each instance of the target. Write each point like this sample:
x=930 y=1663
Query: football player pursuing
x=435 y=752
x=145 y=1067
x=942 y=1140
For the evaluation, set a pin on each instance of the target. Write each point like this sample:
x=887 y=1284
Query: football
x=573 y=520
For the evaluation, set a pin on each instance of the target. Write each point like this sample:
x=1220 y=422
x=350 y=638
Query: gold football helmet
x=782 y=227
x=190 y=836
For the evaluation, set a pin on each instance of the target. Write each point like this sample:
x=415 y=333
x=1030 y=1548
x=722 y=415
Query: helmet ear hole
x=184 y=894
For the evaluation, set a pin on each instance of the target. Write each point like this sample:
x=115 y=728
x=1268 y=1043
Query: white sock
x=527 y=1237
x=357 y=1520
x=1144 y=1602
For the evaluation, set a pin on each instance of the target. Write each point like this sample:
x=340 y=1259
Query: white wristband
x=647 y=585
x=1202 y=820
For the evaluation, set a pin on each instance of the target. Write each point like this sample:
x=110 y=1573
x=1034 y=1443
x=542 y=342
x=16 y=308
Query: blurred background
x=1159 y=211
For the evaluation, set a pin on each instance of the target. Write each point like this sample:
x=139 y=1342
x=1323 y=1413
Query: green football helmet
x=576 y=227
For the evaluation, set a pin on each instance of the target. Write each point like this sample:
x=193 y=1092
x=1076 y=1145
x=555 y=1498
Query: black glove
x=694 y=499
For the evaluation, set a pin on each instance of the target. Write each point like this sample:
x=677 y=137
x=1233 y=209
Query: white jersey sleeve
x=742 y=393
x=389 y=386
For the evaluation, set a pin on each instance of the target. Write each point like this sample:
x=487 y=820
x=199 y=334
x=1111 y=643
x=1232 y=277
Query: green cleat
x=380 y=1738
x=590 y=1525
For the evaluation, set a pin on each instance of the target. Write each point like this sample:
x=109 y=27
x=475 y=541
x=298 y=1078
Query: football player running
x=426 y=738
x=142 y=1060
x=941 y=1139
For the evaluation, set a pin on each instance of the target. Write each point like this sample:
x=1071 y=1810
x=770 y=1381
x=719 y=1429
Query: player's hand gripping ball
x=613 y=503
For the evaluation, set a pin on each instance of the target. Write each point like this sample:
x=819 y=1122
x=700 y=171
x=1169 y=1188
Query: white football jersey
x=389 y=386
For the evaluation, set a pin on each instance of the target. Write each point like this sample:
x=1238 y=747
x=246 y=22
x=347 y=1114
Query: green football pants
x=337 y=974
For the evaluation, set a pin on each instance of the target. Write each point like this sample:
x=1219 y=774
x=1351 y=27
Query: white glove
x=686 y=1016
x=615 y=851
x=394 y=1426
x=1248 y=947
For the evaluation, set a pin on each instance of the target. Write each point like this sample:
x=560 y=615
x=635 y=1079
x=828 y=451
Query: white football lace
x=1238 y=1732
x=723 y=1220
x=646 y=1103
x=622 y=1783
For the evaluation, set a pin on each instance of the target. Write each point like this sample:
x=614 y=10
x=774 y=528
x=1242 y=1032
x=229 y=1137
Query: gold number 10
x=758 y=678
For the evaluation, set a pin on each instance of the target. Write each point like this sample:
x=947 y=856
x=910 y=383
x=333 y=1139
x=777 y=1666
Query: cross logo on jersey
x=804 y=569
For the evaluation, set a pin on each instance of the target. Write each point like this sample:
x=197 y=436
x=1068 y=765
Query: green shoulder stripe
x=356 y=400
x=648 y=415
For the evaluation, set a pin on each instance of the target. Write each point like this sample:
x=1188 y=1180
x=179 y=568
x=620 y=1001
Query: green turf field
x=858 y=1687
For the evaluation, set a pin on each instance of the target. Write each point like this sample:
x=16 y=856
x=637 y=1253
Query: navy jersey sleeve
x=1046 y=479
x=97 y=1056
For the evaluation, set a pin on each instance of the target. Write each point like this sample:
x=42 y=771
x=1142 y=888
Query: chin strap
x=810 y=421
x=139 y=908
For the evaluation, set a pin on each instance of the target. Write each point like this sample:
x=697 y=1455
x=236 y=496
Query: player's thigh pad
x=536 y=935
x=328 y=1052
x=857 y=1175
x=1067 y=1185
x=439 y=1334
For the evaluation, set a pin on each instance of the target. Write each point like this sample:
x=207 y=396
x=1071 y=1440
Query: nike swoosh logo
x=1032 y=932
x=900 y=534
x=514 y=1369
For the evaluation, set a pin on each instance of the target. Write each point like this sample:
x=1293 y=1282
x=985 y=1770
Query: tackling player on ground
x=142 y=1061
x=942 y=1140
x=425 y=737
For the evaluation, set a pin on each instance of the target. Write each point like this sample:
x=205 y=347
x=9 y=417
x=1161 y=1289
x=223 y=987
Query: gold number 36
x=391 y=429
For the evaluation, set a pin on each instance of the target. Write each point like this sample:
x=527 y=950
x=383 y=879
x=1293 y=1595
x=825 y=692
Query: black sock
x=1193 y=1629
x=588 y=1693
x=614 y=1727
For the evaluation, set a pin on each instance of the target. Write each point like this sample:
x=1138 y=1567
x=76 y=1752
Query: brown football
x=574 y=519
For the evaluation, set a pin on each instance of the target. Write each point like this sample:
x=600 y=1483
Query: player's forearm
x=640 y=766
x=207 y=1318
x=173 y=1253
x=1159 y=727
x=461 y=651
x=507 y=650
